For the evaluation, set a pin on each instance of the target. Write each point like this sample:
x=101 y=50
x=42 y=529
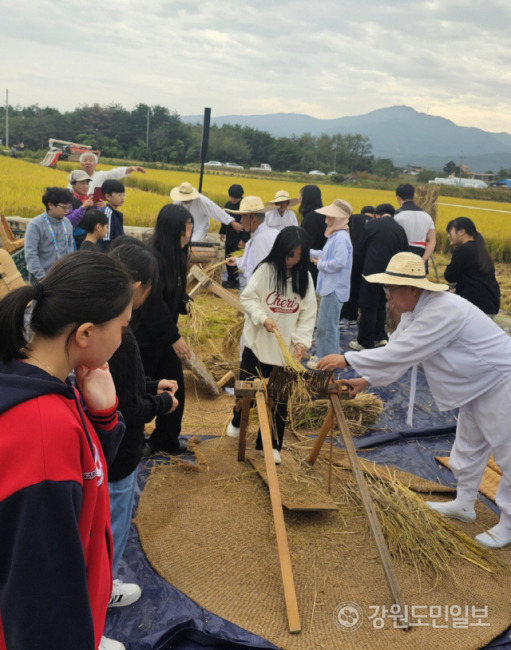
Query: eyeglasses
x=390 y=288
x=64 y=206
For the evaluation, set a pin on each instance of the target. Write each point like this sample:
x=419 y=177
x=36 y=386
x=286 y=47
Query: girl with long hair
x=279 y=296
x=471 y=267
x=140 y=400
x=56 y=440
x=155 y=325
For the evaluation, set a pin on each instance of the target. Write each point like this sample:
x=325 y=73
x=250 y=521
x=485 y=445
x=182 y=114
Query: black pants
x=372 y=304
x=163 y=363
x=252 y=368
x=233 y=275
x=350 y=308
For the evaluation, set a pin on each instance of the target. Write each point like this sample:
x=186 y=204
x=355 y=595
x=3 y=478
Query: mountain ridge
x=400 y=133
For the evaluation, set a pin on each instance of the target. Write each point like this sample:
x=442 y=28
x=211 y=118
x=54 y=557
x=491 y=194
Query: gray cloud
x=325 y=58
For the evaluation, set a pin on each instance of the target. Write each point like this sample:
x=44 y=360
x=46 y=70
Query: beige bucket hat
x=185 y=192
x=250 y=204
x=78 y=175
x=280 y=197
x=406 y=269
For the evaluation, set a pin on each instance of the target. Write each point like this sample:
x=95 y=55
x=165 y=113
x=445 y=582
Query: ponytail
x=81 y=287
x=12 y=322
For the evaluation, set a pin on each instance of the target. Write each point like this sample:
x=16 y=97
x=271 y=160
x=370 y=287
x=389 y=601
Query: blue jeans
x=327 y=331
x=122 y=496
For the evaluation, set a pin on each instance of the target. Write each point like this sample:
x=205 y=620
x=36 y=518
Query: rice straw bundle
x=218 y=366
x=416 y=533
x=426 y=197
x=231 y=340
x=289 y=360
x=360 y=412
x=196 y=325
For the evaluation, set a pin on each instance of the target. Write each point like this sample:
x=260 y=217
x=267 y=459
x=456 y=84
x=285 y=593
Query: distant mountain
x=398 y=132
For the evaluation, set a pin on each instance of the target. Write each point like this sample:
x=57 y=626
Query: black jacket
x=382 y=238
x=480 y=289
x=138 y=403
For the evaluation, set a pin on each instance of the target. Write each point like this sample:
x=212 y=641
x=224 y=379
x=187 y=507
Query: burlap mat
x=209 y=532
x=491 y=477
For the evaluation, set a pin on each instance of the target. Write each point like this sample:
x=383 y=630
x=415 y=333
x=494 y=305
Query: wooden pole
x=323 y=432
x=367 y=502
x=286 y=569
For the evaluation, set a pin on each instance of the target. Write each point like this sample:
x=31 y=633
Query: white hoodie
x=295 y=316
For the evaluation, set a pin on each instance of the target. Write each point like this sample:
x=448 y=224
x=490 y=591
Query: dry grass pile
x=360 y=413
x=417 y=534
x=231 y=339
x=218 y=366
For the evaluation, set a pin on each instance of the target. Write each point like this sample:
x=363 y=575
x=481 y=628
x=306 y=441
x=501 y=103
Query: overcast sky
x=323 y=58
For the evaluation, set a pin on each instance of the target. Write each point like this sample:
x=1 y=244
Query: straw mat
x=491 y=477
x=209 y=532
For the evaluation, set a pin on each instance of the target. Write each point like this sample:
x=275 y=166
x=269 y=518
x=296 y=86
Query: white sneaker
x=453 y=509
x=110 y=644
x=232 y=431
x=276 y=457
x=355 y=345
x=124 y=594
x=496 y=537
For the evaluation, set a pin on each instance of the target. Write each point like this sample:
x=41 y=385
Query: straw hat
x=248 y=205
x=78 y=175
x=185 y=192
x=406 y=269
x=338 y=208
x=282 y=196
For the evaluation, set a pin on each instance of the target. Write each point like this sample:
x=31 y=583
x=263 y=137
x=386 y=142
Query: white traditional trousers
x=484 y=427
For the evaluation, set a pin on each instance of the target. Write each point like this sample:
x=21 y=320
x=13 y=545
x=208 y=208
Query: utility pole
x=147 y=130
x=7 y=117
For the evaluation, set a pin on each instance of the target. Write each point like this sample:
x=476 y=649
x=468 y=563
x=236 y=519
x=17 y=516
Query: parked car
x=233 y=166
x=332 y=173
x=263 y=167
x=213 y=163
x=316 y=172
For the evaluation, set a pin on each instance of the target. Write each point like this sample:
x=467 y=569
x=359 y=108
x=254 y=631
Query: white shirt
x=202 y=210
x=274 y=220
x=256 y=249
x=295 y=317
x=98 y=178
x=463 y=352
x=416 y=224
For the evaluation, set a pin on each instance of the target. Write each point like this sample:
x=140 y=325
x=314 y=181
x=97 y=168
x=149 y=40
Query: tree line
x=154 y=133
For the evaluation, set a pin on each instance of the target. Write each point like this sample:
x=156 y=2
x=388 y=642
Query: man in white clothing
x=89 y=161
x=202 y=210
x=418 y=224
x=252 y=211
x=279 y=216
x=466 y=358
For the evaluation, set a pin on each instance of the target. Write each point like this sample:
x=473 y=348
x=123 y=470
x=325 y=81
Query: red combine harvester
x=63 y=150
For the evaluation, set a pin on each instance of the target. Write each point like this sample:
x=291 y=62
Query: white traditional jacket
x=463 y=352
x=256 y=249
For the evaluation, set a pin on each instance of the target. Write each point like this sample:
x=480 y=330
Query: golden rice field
x=22 y=185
